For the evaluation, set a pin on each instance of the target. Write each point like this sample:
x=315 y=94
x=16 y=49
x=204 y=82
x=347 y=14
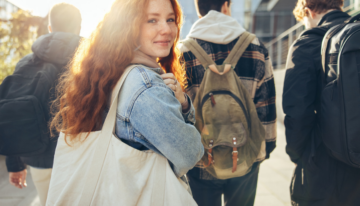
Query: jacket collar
x=57 y=47
x=157 y=70
x=332 y=16
x=142 y=58
x=216 y=27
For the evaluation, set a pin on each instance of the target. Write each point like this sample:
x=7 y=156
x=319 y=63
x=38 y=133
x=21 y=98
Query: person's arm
x=15 y=164
x=158 y=116
x=264 y=100
x=299 y=97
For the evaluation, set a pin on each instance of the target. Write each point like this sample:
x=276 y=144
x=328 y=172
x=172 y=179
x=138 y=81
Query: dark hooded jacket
x=51 y=53
x=319 y=180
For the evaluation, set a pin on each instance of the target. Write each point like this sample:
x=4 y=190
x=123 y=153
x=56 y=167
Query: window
x=263 y=24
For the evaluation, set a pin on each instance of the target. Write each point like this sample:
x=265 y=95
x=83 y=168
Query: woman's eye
x=171 y=20
x=152 y=21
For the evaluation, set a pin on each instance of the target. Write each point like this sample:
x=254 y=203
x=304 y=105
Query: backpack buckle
x=234 y=140
x=234 y=156
x=210 y=158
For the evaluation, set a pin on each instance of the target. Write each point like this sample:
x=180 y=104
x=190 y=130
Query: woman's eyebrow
x=153 y=14
x=157 y=14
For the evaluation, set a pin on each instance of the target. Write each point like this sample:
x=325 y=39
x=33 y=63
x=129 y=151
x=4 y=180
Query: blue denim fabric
x=149 y=115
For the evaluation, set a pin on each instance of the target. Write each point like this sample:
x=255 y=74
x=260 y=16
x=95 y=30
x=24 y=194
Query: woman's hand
x=171 y=81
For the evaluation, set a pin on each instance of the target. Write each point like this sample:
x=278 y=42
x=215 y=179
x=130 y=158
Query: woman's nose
x=165 y=28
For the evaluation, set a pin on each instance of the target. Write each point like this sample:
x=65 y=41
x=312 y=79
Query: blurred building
x=6 y=8
x=347 y=3
x=272 y=18
x=266 y=18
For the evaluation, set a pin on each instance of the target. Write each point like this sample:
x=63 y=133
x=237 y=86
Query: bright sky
x=92 y=11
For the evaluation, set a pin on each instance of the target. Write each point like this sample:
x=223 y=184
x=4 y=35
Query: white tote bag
x=104 y=171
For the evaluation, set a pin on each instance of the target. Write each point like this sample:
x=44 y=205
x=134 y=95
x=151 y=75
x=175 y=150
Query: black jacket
x=318 y=179
x=51 y=52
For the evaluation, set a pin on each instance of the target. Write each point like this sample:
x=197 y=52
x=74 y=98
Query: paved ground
x=273 y=186
x=11 y=196
x=276 y=173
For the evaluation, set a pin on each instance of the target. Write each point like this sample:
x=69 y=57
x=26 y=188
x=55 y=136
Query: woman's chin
x=162 y=54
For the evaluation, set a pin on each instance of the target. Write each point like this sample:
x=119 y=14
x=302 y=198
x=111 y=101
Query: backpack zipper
x=211 y=94
x=302 y=176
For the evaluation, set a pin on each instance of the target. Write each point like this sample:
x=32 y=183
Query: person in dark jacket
x=319 y=179
x=51 y=53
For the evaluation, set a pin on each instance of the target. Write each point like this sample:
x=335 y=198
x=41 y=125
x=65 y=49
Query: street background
x=271 y=20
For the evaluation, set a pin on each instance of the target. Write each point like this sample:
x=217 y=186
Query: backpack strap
x=199 y=52
x=238 y=50
x=230 y=62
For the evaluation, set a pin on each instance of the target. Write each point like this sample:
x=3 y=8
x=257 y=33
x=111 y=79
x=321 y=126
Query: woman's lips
x=162 y=43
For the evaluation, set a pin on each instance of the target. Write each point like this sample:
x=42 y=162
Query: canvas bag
x=102 y=170
x=226 y=117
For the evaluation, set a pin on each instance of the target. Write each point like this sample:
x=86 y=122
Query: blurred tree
x=16 y=37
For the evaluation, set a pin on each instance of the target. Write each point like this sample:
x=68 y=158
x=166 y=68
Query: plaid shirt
x=256 y=73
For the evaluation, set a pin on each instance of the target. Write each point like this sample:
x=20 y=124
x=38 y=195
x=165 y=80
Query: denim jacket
x=149 y=116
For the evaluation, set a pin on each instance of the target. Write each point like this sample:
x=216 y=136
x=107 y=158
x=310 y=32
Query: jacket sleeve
x=189 y=116
x=264 y=100
x=299 y=97
x=15 y=164
x=157 y=115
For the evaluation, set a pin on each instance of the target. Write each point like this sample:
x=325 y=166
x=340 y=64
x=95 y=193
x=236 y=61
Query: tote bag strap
x=98 y=159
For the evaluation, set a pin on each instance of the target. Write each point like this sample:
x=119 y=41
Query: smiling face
x=159 y=29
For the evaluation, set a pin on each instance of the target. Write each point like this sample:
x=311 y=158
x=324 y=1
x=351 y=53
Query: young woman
x=153 y=111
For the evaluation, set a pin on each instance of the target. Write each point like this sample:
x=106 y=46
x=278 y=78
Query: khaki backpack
x=226 y=117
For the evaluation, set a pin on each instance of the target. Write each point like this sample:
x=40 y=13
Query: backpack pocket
x=225 y=117
x=23 y=127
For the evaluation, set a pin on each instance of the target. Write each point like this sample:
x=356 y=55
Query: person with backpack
x=230 y=80
x=321 y=132
x=26 y=96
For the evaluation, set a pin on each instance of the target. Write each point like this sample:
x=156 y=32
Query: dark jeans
x=238 y=191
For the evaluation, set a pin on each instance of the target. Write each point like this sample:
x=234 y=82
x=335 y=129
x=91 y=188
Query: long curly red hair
x=98 y=64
